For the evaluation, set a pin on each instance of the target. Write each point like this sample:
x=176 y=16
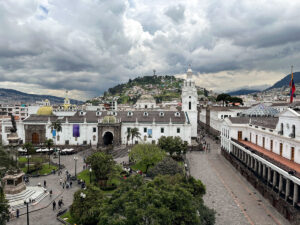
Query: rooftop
x=260 y=110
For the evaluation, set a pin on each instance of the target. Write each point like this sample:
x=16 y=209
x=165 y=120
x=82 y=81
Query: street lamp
x=75 y=159
x=27 y=203
x=82 y=195
x=28 y=157
x=58 y=149
x=90 y=175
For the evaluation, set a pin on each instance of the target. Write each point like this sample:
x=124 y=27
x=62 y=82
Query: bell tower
x=189 y=99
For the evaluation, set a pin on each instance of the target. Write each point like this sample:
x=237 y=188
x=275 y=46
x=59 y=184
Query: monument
x=13 y=182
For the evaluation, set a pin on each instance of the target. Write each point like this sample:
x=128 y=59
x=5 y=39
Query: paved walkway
x=44 y=214
x=234 y=199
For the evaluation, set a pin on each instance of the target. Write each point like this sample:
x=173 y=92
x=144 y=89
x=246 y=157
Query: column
x=287 y=189
x=269 y=174
x=264 y=171
x=274 y=178
x=255 y=165
x=259 y=168
x=295 y=197
x=280 y=184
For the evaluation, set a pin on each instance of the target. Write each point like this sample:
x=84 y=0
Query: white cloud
x=88 y=46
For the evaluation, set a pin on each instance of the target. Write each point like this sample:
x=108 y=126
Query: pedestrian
x=50 y=193
x=63 y=185
x=70 y=184
x=18 y=213
x=60 y=181
x=59 y=204
x=54 y=205
x=45 y=183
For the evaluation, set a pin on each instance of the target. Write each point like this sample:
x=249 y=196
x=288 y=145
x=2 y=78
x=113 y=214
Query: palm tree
x=29 y=150
x=56 y=125
x=49 y=144
x=128 y=134
x=135 y=133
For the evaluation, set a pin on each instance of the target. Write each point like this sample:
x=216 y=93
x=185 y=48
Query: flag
x=292 y=89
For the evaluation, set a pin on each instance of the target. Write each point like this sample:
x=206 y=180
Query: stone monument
x=13 y=182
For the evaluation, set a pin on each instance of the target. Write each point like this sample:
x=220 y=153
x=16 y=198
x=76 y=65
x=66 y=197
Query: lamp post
x=75 y=159
x=90 y=175
x=28 y=157
x=58 y=157
x=27 y=203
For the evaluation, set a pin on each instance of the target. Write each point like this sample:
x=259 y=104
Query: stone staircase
x=36 y=194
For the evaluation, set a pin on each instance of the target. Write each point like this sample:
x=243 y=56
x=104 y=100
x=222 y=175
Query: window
x=129 y=114
x=94 y=129
x=94 y=138
x=146 y=106
x=128 y=130
x=75 y=138
x=281 y=128
x=221 y=116
x=178 y=130
x=190 y=96
x=84 y=142
x=146 y=114
x=145 y=129
x=190 y=105
x=98 y=113
x=145 y=138
x=58 y=137
x=162 y=130
x=81 y=113
x=293 y=134
x=66 y=142
x=161 y=114
x=177 y=114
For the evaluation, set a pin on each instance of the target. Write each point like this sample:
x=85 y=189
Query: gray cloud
x=88 y=46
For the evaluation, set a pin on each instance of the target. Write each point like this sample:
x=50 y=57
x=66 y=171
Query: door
x=256 y=139
x=271 y=145
x=240 y=135
x=35 y=138
x=280 y=150
x=263 y=144
x=292 y=153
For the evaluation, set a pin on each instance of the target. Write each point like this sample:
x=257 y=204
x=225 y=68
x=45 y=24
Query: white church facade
x=98 y=128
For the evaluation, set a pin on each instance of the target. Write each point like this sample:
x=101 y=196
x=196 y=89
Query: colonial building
x=82 y=127
x=268 y=147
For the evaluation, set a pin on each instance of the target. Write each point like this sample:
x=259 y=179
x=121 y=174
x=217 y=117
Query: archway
x=108 y=138
x=35 y=138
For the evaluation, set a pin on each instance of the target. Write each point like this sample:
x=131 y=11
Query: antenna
x=154 y=71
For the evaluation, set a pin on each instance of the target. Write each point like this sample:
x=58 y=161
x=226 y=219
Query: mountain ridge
x=10 y=95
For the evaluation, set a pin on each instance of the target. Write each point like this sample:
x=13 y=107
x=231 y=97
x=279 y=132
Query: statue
x=13 y=122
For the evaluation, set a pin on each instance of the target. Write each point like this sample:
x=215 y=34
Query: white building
x=189 y=98
x=111 y=127
x=146 y=102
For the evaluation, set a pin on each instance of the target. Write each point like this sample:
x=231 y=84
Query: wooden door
x=271 y=145
x=256 y=139
x=292 y=153
x=263 y=142
x=280 y=150
x=240 y=135
x=35 y=138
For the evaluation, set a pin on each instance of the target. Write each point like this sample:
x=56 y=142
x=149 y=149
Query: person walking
x=54 y=205
x=18 y=213
x=59 y=204
x=70 y=184
x=63 y=185
x=50 y=192
x=45 y=183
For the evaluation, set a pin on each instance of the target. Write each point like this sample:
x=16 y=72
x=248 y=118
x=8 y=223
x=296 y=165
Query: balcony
x=274 y=158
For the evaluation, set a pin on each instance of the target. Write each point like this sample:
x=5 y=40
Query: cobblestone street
x=234 y=199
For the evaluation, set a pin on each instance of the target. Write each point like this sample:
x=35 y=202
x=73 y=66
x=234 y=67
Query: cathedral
x=100 y=128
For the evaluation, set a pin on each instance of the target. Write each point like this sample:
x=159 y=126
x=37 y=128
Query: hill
x=162 y=88
x=285 y=81
x=10 y=95
x=242 y=92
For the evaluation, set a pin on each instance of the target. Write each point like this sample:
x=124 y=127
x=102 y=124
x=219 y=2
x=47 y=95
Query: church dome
x=45 y=111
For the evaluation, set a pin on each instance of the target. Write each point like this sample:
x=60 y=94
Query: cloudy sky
x=86 y=46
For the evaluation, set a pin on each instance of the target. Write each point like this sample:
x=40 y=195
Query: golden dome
x=45 y=111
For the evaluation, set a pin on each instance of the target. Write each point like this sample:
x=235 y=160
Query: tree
x=146 y=154
x=49 y=143
x=102 y=165
x=135 y=133
x=167 y=166
x=165 y=200
x=172 y=145
x=29 y=150
x=86 y=210
x=223 y=97
x=128 y=134
x=4 y=212
x=236 y=100
x=56 y=125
